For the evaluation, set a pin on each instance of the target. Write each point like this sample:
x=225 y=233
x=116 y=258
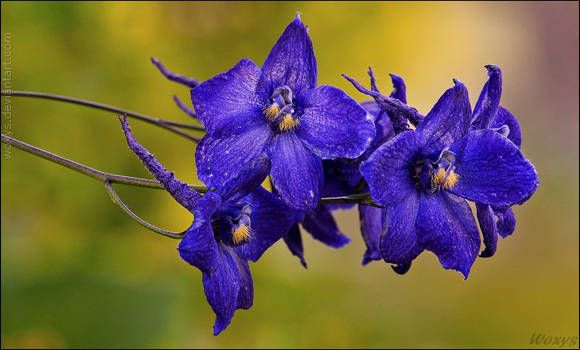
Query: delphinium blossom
x=278 y=110
x=487 y=113
x=235 y=223
x=424 y=176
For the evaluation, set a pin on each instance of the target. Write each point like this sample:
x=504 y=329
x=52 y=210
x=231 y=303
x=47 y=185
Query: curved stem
x=117 y=200
x=167 y=124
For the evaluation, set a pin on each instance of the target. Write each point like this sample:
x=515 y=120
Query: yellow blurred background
x=77 y=272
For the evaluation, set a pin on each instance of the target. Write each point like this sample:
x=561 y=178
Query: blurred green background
x=77 y=272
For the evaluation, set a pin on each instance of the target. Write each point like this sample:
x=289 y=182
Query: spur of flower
x=424 y=176
x=235 y=223
x=278 y=110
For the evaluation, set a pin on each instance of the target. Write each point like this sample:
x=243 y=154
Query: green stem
x=117 y=200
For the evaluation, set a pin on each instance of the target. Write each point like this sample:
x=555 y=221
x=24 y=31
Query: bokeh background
x=77 y=272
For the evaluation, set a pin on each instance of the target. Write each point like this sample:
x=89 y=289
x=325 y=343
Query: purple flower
x=225 y=234
x=236 y=223
x=278 y=110
x=488 y=114
x=487 y=109
x=424 y=177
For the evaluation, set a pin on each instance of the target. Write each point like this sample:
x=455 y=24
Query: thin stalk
x=117 y=200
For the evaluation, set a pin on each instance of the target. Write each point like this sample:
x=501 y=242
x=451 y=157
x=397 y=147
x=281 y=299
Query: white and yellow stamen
x=287 y=123
x=438 y=179
x=271 y=111
x=241 y=234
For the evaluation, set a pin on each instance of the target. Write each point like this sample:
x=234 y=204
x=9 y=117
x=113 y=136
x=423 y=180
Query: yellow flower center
x=241 y=234
x=288 y=123
x=272 y=111
x=438 y=177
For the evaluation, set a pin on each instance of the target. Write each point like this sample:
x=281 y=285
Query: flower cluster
x=316 y=141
